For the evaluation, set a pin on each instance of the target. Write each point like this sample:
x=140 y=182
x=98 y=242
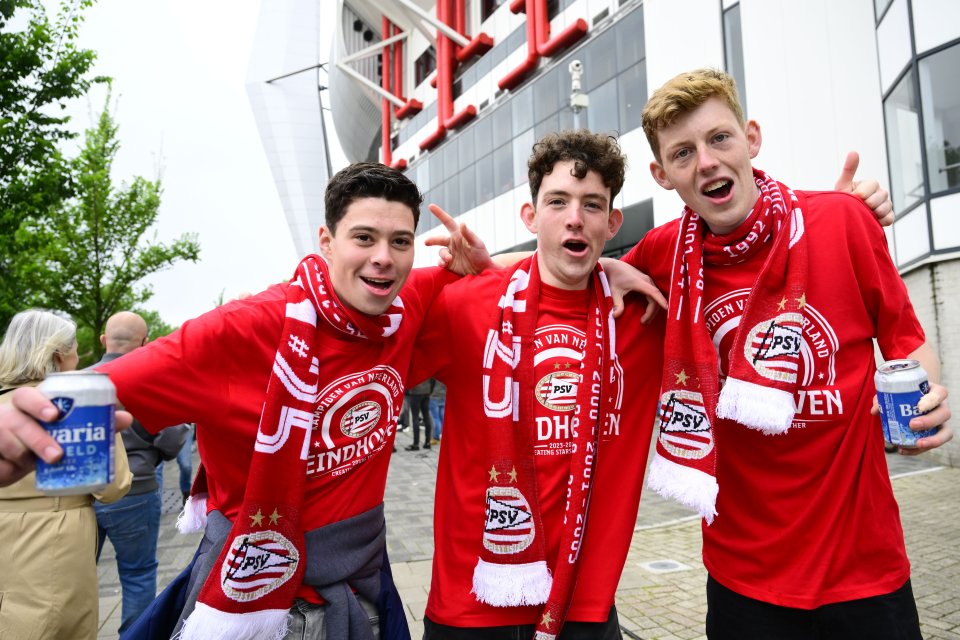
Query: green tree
x=41 y=69
x=93 y=252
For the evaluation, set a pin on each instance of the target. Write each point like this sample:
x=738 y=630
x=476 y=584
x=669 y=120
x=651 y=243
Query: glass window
x=522 y=149
x=485 y=179
x=901 y=113
x=451 y=154
x=599 y=61
x=487 y=7
x=565 y=120
x=521 y=107
x=552 y=123
x=482 y=137
x=451 y=196
x=940 y=98
x=503 y=169
x=630 y=45
x=468 y=188
x=422 y=176
x=733 y=51
x=603 y=112
x=546 y=94
x=424 y=65
x=881 y=7
x=502 y=130
x=436 y=165
x=632 y=85
x=466 y=147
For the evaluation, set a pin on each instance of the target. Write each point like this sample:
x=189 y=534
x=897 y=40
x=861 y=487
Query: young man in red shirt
x=296 y=392
x=765 y=409
x=513 y=552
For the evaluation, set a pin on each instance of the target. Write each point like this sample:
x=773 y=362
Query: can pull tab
x=64 y=406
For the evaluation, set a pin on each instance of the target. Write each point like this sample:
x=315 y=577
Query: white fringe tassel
x=688 y=486
x=511 y=585
x=193 y=518
x=755 y=406
x=207 y=623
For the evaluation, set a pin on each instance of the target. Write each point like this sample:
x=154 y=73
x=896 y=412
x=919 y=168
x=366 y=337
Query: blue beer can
x=900 y=385
x=85 y=430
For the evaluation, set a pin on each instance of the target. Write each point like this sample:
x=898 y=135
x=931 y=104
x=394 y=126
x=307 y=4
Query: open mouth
x=575 y=246
x=381 y=284
x=719 y=189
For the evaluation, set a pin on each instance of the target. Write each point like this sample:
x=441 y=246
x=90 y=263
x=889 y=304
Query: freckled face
x=706 y=156
x=371 y=253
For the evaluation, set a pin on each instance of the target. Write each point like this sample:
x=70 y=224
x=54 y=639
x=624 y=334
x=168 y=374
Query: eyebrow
x=377 y=230
x=566 y=194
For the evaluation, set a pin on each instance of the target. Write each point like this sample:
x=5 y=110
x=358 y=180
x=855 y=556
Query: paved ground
x=661 y=593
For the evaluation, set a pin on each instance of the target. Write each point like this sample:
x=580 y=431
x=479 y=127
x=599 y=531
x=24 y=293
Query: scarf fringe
x=762 y=408
x=207 y=623
x=688 y=486
x=193 y=518
x=512 y=585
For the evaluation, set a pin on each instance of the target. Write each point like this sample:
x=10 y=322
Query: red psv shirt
x=214 y=371
x=451 y=349
x=809 y=518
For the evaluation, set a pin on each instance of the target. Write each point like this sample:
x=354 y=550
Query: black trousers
x=609 y=630
x=420 y=408
x=731 y=616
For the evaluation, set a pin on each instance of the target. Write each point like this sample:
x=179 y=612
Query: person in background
x=419 y=397
x=438 y=402
x=133 y=522
x=48 y=572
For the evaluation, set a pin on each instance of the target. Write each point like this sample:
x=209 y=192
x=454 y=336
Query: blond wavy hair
x=682 y=94
x=32 y=339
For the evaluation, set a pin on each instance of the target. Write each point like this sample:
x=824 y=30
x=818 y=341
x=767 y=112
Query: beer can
x=84 y=428
x=900 y=385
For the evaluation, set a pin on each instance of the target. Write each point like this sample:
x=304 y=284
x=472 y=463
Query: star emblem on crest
x=494 y=474
x=547 y=620
x=802 y=301
x=275 y=517
x=513 y=474
x=256 y=519
x=682 y=377
x=782 y=304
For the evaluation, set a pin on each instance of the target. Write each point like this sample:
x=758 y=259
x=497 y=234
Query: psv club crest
x=557 y=390
x=256 y=564
x=773 y=347
x=683 y=424
x=509 y=527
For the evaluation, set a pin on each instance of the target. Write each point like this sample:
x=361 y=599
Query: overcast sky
x=179 y=69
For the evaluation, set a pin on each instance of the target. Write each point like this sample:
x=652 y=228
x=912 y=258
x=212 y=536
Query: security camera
x=575 y=66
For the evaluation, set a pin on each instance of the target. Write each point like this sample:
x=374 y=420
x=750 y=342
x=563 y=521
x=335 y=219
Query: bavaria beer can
x=84 y=428
x=900 y=385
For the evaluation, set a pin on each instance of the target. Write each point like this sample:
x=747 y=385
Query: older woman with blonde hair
x=48 y=573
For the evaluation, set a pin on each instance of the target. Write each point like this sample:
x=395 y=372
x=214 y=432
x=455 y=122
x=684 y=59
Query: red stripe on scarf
x=512 y=570
x=761 y=384
x=262 y=562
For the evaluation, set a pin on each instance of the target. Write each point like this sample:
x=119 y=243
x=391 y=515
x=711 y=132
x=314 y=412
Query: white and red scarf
x=765 y=356
x=512 y=569
x=262 y=563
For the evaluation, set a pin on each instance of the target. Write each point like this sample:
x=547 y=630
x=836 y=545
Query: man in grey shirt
x=133 y=522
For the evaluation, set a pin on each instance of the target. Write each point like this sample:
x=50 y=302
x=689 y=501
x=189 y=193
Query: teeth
x=716 y=185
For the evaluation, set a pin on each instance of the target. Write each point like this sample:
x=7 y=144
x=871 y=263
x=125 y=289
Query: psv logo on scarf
x=772 y=346
x=510 y=527
x=256 y=564
x=684 y=424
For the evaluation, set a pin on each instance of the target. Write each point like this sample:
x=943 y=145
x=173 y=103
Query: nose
x=574 y=217
x=382 y=255
x=706 y=161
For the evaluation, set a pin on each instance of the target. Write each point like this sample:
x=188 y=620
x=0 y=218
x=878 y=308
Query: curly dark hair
x=368 y=180
x=589 y=151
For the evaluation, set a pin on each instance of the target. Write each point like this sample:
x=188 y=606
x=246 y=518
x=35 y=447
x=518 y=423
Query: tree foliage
x=93 y=252
x=41 y=69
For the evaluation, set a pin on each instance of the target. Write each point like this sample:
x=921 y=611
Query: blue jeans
x=132 y=524
x=437 y=405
